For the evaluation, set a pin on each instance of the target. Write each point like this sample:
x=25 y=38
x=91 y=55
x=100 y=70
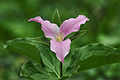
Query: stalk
x=60 y=69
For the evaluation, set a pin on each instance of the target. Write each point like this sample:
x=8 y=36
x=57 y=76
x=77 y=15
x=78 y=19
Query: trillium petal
x=49 y=29
x=60 y=48
x=72 y=25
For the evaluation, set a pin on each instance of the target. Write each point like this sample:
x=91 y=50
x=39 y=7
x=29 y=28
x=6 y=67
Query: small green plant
x=42 y=52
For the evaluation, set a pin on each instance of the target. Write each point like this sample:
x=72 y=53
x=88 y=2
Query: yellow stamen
x=59 y=34
x=62 y=35
x=59 y=37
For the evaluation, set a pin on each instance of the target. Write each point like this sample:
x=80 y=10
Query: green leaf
x=34 y=72
x=56 y=18
x=95 y=55
x=75 y=35
x=49 y=59
x=24 y=48
x=40 y=39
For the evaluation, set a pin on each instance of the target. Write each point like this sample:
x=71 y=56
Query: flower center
x=59 y=37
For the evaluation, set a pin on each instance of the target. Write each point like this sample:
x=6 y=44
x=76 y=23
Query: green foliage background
x=103 y=27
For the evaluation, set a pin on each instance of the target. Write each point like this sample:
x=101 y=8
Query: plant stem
x=60 y=69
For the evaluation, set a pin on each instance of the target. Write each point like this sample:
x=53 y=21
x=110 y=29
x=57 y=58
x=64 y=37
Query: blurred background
x=103 y=27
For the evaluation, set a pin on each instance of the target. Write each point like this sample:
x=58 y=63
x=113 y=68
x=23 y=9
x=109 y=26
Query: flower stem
x=60 y=69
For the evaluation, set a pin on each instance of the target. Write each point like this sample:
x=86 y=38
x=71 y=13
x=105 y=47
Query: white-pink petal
x=60 y=48
x=72 y=25
x=49 y=29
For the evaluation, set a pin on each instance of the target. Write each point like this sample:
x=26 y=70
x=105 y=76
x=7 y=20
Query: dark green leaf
x=24 y=48
x=95 y=55
x=33 y=71
x=49 y=59
x=40 y=39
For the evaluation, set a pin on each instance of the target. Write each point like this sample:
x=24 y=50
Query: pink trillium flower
x=57 y=34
